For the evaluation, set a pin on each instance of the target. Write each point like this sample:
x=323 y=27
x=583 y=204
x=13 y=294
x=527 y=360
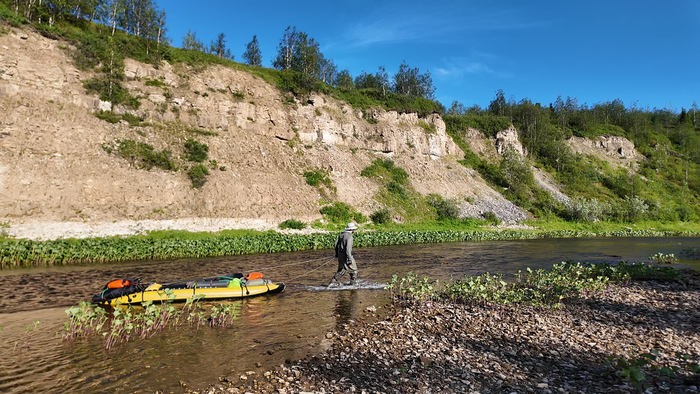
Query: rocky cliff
x=54 y=168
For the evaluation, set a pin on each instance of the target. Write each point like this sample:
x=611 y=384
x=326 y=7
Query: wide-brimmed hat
x=351 y=226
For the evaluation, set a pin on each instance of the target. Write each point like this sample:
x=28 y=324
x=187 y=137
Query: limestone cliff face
x=53 y=166
x=618 y=151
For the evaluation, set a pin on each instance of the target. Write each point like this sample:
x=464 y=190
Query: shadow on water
x=270 y=329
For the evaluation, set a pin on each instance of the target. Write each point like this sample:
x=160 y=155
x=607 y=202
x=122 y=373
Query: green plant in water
x=692 y=252
x=412 y=288
x=662 y=258
x=222 y=316
x=84 y=320
x=25 y=341
x=128 y=322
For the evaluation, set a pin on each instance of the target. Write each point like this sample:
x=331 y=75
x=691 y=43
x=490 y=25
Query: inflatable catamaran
x=131 y=291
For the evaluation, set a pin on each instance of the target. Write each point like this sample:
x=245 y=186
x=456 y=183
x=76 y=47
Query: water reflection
x=345 y=306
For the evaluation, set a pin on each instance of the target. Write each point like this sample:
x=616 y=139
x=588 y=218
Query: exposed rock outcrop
x=618 y=151
x=54 y=168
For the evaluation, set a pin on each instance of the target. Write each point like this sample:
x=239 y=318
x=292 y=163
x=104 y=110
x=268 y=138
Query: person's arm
x=348 y=248
x=335 y=246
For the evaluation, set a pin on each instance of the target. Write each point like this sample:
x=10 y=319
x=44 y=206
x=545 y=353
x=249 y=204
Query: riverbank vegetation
x=541 y=287
x=126 y=322
x=182 y=244
x=660 y=196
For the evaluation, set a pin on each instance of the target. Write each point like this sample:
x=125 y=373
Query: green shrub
x=397 y=189
x=385 y=169
x=446 y=209
x=340 y=212
x=585 y=210
x=198 y=175
x=133 y=120
x=491 y=217
x=319 y=177
x=196 y=151
x=381 y=216
x=155 y=82
x=487 y=124
x=292 y=224
x=142 y=155
x=428 y=128
x=11 y=18
x=108 y=116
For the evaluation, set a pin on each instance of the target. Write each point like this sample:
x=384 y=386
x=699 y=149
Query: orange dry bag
x=254 y=275
x=118 y=283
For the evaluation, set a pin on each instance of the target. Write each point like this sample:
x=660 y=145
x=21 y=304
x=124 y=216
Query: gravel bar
x=448 y=347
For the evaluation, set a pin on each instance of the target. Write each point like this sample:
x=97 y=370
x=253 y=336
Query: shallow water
x=270 y=329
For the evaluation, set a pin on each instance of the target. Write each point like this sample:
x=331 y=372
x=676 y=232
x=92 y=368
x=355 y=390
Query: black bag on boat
x=109 y=292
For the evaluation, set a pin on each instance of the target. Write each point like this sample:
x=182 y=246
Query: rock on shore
x=445 y=347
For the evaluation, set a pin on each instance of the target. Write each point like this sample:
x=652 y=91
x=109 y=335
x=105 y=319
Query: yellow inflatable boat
x=131 y=291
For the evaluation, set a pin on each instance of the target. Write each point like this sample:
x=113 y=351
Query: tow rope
x=290 y=264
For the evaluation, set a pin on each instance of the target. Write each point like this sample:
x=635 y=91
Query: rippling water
x=270 y=329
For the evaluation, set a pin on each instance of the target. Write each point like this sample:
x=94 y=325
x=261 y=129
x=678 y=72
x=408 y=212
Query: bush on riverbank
x=181 y=244
x=542 y=287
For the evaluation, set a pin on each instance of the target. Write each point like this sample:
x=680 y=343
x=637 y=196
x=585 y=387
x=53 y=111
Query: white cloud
x=432 y=25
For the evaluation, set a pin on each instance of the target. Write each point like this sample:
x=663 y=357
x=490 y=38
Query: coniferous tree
x=252 y=54
x=218 y=47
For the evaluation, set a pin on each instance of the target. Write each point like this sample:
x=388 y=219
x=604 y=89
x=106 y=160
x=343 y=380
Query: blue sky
x=646 y=53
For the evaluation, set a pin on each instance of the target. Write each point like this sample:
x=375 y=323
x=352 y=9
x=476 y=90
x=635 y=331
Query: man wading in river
x=343 y=251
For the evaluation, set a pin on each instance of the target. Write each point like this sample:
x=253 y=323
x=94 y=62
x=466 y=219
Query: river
x=270 y=330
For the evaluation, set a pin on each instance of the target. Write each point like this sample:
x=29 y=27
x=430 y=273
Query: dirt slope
x=56 y=177
x=57 y=180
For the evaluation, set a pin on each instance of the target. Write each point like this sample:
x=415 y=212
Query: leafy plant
x=195 y=151
x=446 y=209
x=644 y=370
x=26 y=338
x=319 y=177
x=662 y=258
x=202 y=132
x=142 y=155
x=292 y=224
x=411 y=288
x=155 y=82
x=381 y=216
x=491 y=217
x=198 y=175
x=125 y=323
x=340 y=212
